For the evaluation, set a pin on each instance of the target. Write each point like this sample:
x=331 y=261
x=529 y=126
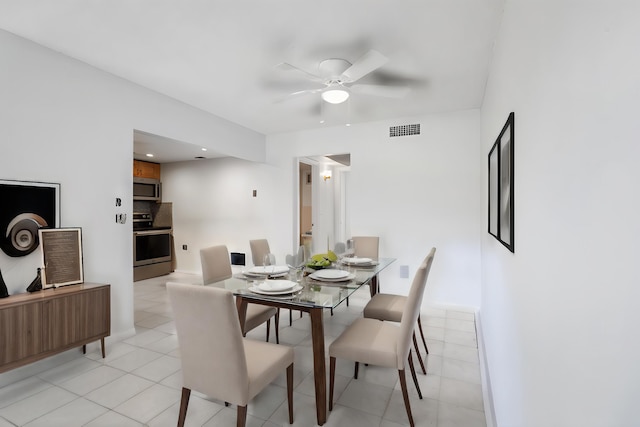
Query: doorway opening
x=306 y=206
x=322 y=202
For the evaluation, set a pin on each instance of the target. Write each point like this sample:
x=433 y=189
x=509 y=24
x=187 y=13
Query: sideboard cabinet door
x=20 y=332
x=76 y=318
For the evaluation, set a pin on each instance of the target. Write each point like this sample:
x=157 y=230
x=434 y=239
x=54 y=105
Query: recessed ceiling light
x=321 y=121
x=348 y=124
x=203 y=149
x=149 y=155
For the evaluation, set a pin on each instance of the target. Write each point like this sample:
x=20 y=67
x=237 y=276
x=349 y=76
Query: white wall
x=213 y=204
x=414 y=192
x=65 y=122
x=560 y=316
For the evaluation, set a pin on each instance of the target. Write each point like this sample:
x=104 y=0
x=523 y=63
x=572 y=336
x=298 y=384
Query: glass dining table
x=314 y=292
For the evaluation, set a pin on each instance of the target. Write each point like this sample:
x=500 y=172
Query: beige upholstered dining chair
x=390 y=307
x=216 y=266
x=367 y=247
x=216 y=360
x=379 y=343
x=260 y=249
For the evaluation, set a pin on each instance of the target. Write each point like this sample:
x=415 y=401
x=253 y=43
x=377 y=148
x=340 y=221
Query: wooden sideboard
x=40 y=324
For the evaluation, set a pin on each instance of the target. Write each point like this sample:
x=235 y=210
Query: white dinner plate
x=268 y=270
x=257 y=290
x=357 y=260
x=331 y=274
x=320 y=278
x=262 y=276
x=276 y=285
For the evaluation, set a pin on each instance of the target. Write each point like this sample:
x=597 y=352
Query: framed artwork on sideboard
x=61 y=251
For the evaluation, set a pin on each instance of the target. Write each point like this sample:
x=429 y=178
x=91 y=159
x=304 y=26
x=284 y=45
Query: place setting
x=276 y=288
x=266 y=272
x=332 y=276
x=358 y=261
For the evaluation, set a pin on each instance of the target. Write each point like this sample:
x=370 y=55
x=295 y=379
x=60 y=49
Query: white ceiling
x=167 y=150
x=220 y=56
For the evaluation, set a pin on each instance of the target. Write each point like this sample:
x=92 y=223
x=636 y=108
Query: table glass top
x=327 y=290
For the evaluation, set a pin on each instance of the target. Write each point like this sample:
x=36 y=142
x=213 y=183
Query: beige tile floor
x=138 y=383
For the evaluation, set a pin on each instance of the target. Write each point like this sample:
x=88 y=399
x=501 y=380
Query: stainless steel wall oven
x=151 y=247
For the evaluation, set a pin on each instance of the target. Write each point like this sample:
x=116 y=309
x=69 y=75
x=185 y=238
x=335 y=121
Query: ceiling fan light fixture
x=335 y=96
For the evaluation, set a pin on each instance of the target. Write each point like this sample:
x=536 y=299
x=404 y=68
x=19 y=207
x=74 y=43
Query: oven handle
x=151 y=232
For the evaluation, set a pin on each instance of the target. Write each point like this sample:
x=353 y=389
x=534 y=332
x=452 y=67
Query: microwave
x=147 y=189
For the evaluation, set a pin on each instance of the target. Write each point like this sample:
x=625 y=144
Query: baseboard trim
x=487 y=394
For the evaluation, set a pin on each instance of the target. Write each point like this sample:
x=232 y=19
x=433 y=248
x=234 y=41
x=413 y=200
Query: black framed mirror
x=501 y=186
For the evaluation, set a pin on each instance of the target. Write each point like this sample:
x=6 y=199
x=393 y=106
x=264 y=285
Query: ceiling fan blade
x=363 y=66
x=297 y=95
x=288 y=68
x=379 y=90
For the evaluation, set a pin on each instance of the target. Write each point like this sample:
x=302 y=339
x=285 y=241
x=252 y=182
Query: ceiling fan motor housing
x=332 y=69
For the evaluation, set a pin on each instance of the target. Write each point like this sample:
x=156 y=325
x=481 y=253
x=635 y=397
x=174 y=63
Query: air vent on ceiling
x=404 y=130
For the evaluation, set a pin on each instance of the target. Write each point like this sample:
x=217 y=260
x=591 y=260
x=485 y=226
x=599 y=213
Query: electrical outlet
x=184 y=247
x=404 y=271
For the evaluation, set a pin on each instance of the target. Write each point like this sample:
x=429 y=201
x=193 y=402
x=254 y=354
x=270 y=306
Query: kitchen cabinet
x=142 y=169
x=37 y=325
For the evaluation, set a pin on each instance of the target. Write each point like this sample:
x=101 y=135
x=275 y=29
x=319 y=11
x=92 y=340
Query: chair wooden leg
x=405 y=395
x=290 y=392
x=414 y=376
x=332 y=374
x=242 y=416
x=268 y=328
x=277 y=325
x=347 y=301
x=184 y=403
x=355 y=370
x=290 y=317
x=415 y=345
x=422 y=335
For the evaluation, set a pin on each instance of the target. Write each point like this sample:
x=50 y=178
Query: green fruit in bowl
x=318 y=257
x=318 y=262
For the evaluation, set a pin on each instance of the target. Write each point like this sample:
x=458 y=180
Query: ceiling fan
x=339 y=78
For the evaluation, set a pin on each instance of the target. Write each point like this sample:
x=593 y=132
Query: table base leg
x=319 y=366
